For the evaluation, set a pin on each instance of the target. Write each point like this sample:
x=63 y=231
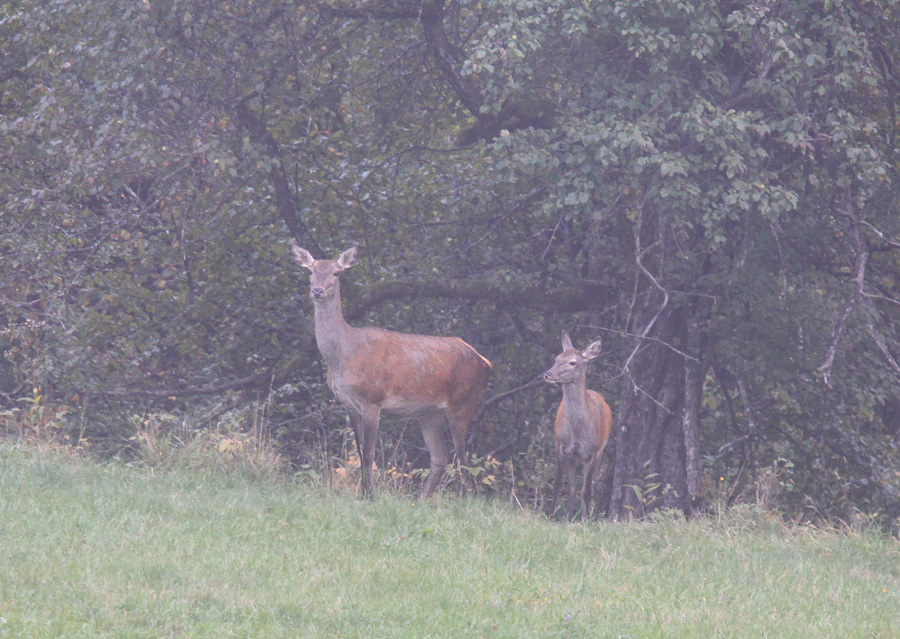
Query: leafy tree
x=709 y=186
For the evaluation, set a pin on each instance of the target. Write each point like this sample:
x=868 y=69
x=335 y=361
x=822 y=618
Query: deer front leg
x=365 y=428
x=557 y=482
x=587 y=489
x=569 y=467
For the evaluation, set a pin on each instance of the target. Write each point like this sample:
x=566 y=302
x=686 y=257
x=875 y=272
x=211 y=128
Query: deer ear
x=347 y=258
x=593 y=349
x=303 y=257
x=566 y=341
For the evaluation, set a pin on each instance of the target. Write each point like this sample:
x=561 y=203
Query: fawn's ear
x=592 y=350
x=566 y=342
x=347 y=258
x=303 y=257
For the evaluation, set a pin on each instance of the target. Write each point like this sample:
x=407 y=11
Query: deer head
x=571 y=364
x=323 y=279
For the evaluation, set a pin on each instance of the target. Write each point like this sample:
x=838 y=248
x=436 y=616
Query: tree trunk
x=657 y=460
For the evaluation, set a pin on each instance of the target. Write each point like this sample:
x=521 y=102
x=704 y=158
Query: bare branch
x=748 y=409
x=445 y=55
x=374 y=13
x=859 y=277
x=576 y=297
x=284 y=195
x=665 y=301
x=239 y=384
x=499 y=397
x=882 y=346
x=836 y=333
x=885 y=239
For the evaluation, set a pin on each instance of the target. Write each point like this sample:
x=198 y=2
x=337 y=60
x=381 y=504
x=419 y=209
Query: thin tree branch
x=576 y=297
x=665 y=301
x=284 y=195
x=499 y=397
x=373 y=13
x=859 y=277
x=882 y=346
x=446 y=57
x=238 y=384
x=892 y=243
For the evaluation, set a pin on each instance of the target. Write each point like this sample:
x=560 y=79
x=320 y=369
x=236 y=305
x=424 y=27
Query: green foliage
x=717 y=184
x=717 y=147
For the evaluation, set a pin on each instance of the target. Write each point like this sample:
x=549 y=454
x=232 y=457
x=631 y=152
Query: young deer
x=583 y=422
x=371 y=370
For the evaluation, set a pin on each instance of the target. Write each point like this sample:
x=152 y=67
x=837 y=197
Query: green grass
x=104 y=550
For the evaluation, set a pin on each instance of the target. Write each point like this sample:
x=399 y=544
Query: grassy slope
x=110 y=551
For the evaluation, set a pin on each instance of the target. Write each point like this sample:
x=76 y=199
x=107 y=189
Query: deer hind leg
x=460 y=417
x=459 y=430
x=432 y=431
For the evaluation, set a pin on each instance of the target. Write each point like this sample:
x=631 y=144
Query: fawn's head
x=571 y=364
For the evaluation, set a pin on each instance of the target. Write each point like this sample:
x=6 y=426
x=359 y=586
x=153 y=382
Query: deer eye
x=572 y=363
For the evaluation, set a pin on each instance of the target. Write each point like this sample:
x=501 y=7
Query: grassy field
x=105 y=550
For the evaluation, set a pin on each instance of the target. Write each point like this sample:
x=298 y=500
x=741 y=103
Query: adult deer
x=371 y=370
x=583 y=423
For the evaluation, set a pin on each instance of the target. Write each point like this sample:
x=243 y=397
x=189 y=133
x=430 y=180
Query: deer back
x=408 y=373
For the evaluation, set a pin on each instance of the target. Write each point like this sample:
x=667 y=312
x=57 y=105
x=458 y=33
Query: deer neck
x=334 y=336
x=575 y=401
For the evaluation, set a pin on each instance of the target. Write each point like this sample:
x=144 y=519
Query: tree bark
x=694 y=375
x=657 y=460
